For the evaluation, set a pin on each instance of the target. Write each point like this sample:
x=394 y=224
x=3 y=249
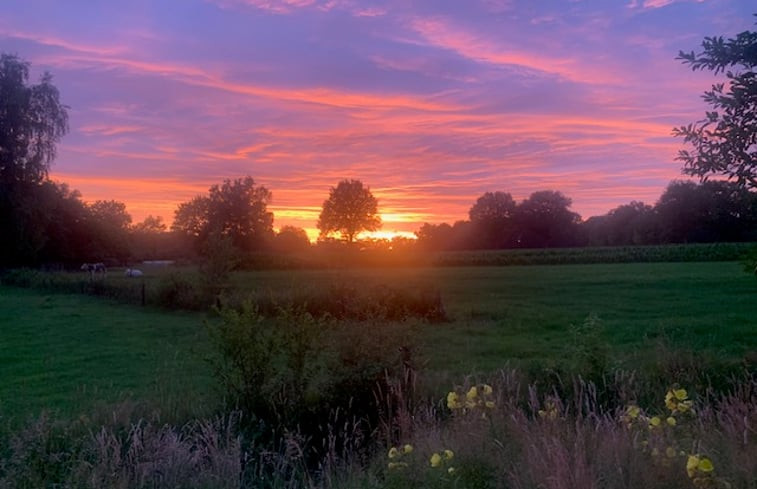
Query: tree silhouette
x=492 y=218
x=291 y=239
x=32 y=121
x=725 y=141
x=544 y=220
x=349 y=210
x=236 y=209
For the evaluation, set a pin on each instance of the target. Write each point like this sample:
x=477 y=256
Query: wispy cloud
x=444 y=34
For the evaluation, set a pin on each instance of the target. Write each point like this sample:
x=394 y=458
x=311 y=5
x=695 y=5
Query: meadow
x=571 y=344
x=62 y=348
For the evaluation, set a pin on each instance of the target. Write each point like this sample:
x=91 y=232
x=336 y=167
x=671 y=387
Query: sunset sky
x=431 y=103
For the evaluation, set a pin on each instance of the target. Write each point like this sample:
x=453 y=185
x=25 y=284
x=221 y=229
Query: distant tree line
x=687 y=212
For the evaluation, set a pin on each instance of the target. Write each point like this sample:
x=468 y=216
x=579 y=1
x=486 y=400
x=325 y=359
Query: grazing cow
x=95 y=269
x=133 y=272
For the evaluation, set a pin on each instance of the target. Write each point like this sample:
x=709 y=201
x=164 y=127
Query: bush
x=284 y=372
x=177 y=290
x=361 y=303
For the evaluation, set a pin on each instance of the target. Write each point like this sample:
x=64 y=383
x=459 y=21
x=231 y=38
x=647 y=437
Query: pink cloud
x=98 y=49
x=444 y=34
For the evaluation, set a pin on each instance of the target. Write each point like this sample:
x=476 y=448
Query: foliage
x=32 y=121
x=140 y=454
x=285 y=371
x=291 y=239
x=349 y=210
x=710 y=212
x=220 y=259
x=725 y=141
x=236 y=209
x=492 y=217
x=109 y=224
x=525 y=439
x=544 y=220
x=180 y=290
x=341 y=300
x=630 y=224
x=607 y=254
x=587 y=349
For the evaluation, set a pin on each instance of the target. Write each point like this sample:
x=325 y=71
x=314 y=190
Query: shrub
x=286 y=371
x=345 y=301
x=177 y=290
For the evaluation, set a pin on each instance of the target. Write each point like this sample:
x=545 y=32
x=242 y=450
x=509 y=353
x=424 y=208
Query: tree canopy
x=350 y=209
x=32 y=121
x=725 y=141
x=492 y=217
x=545 y=220
x=236 y=209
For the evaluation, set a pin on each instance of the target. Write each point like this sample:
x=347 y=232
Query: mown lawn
x=69 y=352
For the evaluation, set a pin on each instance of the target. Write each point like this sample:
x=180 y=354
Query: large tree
x=109 y=222
x=350 y=209
x=709 y=212
x=725 y=141
x=544 y=220
x=236 y=209
x=32 y=121
x=492 y=219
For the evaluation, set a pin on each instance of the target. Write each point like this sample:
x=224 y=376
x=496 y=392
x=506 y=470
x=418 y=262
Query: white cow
x=133 y=272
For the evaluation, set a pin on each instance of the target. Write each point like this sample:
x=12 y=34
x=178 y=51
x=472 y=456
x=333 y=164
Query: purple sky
x=430 y=103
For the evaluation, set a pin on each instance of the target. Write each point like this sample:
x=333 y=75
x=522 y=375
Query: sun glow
x=388 y=235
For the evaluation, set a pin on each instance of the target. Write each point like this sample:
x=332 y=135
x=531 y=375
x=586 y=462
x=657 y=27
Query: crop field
x=66 y=352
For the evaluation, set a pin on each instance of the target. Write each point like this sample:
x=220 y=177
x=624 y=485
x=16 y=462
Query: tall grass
x=526 y=438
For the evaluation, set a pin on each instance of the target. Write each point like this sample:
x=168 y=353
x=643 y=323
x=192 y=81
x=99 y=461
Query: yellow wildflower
x=449 y=454
x=453 y=401
x=671 y=421
x=396 y=465
x=436 y=460
x=393 y=452
x=633 y=411
x=692 y=463
x=489 y=404
x=654 y=422
x=408 y=448
x=705 y=465
x=680 y=394
x=451 y=470
x=472 y=393
x=488 y=390
x=670 y=400
x=683 y=406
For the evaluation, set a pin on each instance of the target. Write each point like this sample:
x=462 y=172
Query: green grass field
x=525 y=313
x=70 y=352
